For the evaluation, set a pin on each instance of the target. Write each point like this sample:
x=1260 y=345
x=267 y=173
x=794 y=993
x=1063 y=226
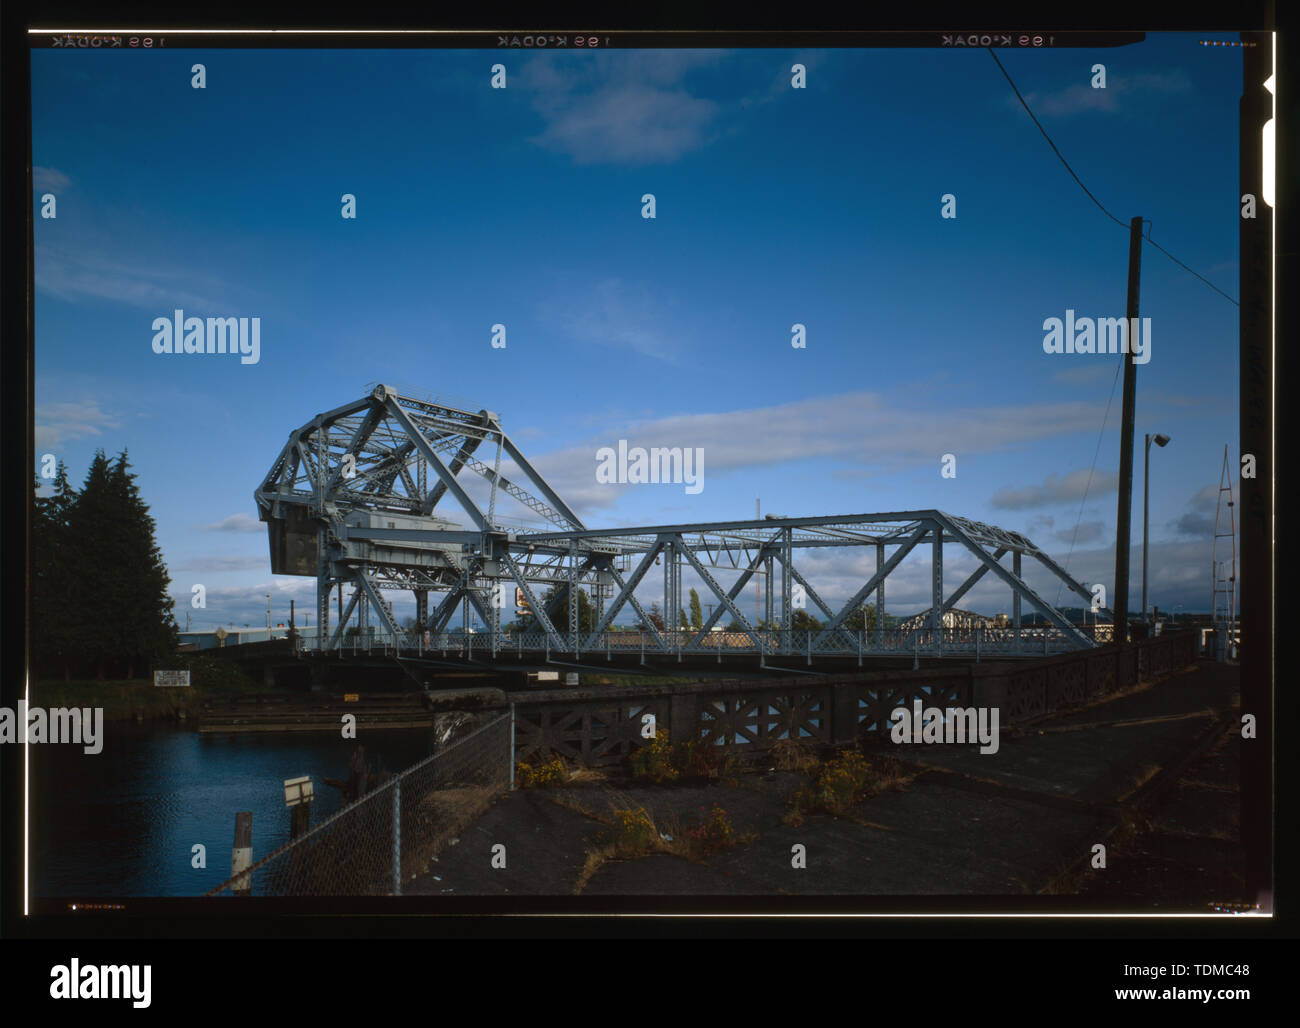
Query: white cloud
x=58 y=423
x=236 y=523
x=76 y=274
x=865 y=429
x=1081 y=97
x=1087 y=532
x=633 y=110
x=1073 y=486
x=49 y=179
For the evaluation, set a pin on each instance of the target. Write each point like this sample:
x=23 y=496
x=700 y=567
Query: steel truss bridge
x=353 y=500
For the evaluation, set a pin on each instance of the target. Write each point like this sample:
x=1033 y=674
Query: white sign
x=297 y=790
x=171 y=678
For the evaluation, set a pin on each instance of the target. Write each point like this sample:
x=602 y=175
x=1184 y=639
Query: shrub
x=714 y=832
x=654 y=762
x=699 y=758
x=634 y=832
x=551 y=773
x=840 y=783
x=793 y=755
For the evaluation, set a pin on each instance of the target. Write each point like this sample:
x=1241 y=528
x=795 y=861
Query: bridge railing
x=602 y=725
x=959 y=642
x=374 y=845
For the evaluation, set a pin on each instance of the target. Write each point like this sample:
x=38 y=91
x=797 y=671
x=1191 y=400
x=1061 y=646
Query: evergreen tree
x=148 y=629
x=54 y=622
x=116 y=610
x=560 y=618
x=92 y=538
x=655 y=618
x=65 y=620
x=697 y=615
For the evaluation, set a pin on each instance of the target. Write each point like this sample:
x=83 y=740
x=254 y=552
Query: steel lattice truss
x=353 y=500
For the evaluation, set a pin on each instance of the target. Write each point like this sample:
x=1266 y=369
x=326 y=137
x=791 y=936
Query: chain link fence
x=392 y=833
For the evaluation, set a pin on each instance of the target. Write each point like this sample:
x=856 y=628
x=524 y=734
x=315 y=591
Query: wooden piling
x=241 y=856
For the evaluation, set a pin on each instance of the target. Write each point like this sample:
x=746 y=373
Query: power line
x=1091 y=471
x=1089 y=194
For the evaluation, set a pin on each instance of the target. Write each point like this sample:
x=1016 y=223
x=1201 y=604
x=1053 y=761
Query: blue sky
x=775 y=206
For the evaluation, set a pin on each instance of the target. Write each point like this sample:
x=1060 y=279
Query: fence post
x=861 y=632
x=241 y=856
x=511 y=755
x=979 y=634
x=397 y=836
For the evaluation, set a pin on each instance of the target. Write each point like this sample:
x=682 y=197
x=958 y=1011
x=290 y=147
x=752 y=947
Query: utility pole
x=758 y=574
x=1159 y=440
x=1122 y=516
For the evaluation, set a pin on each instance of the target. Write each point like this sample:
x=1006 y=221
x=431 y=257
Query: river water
x=124 y=822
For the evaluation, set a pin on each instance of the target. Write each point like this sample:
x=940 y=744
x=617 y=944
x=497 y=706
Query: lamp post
x=1159 y=440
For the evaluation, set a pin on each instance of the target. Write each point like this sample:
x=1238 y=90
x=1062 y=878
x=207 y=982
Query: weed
x=654 y=762
x=793 y=755
x=534 y=775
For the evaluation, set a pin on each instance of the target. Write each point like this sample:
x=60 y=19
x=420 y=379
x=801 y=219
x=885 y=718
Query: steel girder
x=353 y=485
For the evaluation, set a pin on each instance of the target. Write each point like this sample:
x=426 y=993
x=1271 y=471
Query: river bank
x=139 y=699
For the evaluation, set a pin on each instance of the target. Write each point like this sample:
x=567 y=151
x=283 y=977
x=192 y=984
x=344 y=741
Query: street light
x=1159 y=440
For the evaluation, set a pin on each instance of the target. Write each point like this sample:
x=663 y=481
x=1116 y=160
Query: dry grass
x=587 y=774
x=596 y=858
x=793 y=755
x=845 y=780
x=443 y=815
x=634 y=832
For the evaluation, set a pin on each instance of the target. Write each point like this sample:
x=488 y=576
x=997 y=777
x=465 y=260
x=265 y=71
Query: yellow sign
x=351 y=697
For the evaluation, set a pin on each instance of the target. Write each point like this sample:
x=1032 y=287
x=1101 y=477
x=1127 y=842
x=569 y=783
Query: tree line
x=861 y=620
x=99 y=588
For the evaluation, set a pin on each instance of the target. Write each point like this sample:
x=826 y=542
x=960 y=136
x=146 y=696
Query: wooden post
x=241 y=857
x=299 y=820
